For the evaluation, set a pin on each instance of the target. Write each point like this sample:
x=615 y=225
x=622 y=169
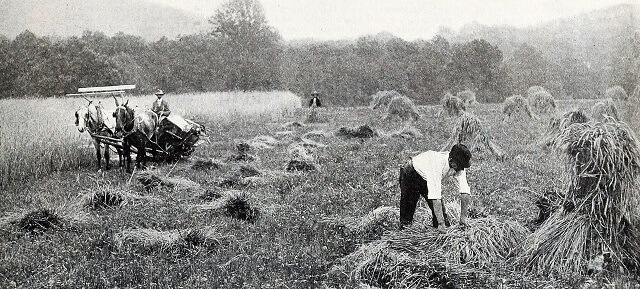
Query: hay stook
x=469 y=130
x=516 y=106
x=401 y=107
x=453 y=105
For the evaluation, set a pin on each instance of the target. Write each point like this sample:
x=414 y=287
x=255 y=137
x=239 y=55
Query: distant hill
x=72 y=17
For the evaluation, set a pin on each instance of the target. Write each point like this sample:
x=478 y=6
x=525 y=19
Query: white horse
x=93 y=119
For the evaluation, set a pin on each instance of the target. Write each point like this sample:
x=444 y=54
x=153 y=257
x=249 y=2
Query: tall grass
x=38 y=136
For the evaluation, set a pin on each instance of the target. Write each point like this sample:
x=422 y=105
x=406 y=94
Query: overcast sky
x=409 y=19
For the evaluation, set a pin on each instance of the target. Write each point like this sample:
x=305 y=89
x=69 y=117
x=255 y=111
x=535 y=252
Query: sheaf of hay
x=603 y=166
x=453 y=105
x=467 y=96
x=616 y=93
x=383 y=98
x=542 y=102
x=516 y=105
x=44 y=219
x=263 y=142
x=469 y=130
x=401 y=107
x=605 y=110
x=293 y=125
x=558 y=124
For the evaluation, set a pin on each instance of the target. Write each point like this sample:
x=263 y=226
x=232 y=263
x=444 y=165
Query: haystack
x=470 y=131
x=603 y=161
x=383 y=98
x=541 y=101
x=467 y=96
x=401 y=107
x=616 y=93
x=452 y=105
x=558 y=124
x=605 y=110
x=517 y=106
x=235 y=204
x=363 y=131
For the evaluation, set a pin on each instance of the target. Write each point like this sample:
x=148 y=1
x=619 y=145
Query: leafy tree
x=251 y=46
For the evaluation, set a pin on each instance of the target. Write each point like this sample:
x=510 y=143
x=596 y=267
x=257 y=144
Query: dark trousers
x=412 y=186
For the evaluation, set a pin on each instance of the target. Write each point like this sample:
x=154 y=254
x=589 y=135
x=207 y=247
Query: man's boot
x=437 y=211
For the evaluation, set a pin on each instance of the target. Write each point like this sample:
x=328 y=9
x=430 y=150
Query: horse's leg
x=127 y=156
x=96 y=144
x=107 y=165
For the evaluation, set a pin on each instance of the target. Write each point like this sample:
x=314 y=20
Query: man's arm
x=166 y=110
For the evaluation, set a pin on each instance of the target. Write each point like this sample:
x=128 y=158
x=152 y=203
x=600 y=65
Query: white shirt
x=434 y=167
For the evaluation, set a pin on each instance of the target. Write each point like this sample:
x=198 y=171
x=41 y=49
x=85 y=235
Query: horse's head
x=123 y=116
x=81 y=116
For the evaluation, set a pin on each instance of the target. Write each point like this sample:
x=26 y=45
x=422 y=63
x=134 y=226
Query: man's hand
x=442 y=229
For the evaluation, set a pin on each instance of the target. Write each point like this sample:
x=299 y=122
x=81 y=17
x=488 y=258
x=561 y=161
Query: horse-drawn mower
x=174 y=137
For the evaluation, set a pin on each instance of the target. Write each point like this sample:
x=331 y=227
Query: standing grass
x=38 y=136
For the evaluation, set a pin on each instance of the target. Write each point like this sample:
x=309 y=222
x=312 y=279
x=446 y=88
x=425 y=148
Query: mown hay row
x=43 y=219
x=171 y=240
x=407 y=132
x=363 y=131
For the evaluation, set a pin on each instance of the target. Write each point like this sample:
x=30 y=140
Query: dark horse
x=93 y=119
x=137 y=129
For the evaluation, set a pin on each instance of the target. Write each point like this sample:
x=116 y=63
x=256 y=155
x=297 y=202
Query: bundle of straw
x=603 y=167
x=452 y=105
x=542 y=102
x=558 y=124
x=516 y=105
x=383 y=98
x=605 y=110
x=469 y=130
x=401 y=107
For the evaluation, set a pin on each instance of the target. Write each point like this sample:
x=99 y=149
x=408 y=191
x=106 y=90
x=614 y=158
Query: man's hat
x=159 y=92
x=315 y=92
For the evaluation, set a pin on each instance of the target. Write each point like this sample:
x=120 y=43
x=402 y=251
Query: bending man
x=423 y=175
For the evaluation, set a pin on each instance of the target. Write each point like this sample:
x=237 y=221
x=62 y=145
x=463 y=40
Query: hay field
x=223 y=221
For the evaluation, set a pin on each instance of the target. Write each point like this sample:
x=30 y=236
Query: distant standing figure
x=315 y=101
x=423 y=175
x=160 y=106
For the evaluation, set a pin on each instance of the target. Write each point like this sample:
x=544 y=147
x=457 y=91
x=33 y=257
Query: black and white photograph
x=320 y=144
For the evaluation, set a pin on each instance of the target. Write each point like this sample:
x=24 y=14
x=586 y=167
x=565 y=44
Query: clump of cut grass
x=407 y=132
x=453 y=105
x=39 y=221
x=616 y=93
x=151 y=180
x=243 y=154
x=401 y=107
x=603 y=160
x=467 y=96
x=293 y=125
x=245 y=171
x=605 y=110
x=469 y=130
x=204 y=164
x=516 y=106
x=315 y=117
x=558 y=124
x=170 y=241
x=300 y=160
x=103 y=199
x=482 y=244
x=382 y=98
x=263 y=142
x=375 y=223
x=363 y=131
x=235 y=204
x=541 y=101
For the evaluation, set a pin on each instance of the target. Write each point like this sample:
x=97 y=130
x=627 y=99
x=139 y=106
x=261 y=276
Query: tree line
x=242 y=52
